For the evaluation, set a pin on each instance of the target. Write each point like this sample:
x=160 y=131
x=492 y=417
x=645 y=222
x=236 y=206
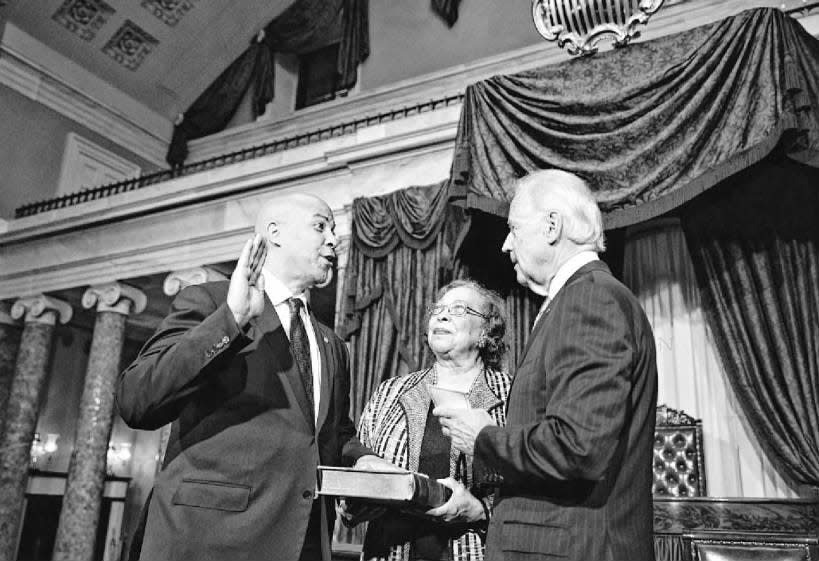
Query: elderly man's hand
x=462 y=506
x=462 y=426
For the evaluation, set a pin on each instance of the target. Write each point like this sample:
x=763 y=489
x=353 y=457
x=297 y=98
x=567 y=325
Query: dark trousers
x=311 y=550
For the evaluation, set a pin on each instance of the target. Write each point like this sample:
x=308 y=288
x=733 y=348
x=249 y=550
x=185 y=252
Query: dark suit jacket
x=240 y=468
x=575 y=457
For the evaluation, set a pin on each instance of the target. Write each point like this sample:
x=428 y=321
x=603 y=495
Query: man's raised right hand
x=245 y=296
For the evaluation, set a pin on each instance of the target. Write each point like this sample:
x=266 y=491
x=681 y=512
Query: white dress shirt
x=279 y=294
x=563 y=274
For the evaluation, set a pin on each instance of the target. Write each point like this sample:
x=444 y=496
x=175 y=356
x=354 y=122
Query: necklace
x=477 y=371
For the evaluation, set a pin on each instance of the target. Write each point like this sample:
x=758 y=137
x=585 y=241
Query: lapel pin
x=326 y=340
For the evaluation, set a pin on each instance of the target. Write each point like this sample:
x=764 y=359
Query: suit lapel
x=481 y=395
x=535 y=330
x=541 y=323
x=269 y=334
x=415 y=401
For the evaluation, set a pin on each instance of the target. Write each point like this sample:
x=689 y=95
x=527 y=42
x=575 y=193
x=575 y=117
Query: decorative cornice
x=404 y=138
x=208 y=227
x=42 y=309
x=115 y=297
x=36 y=83
x=178 y=280
x=273 y=147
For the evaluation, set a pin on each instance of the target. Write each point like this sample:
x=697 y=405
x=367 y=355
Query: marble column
x=173 y=285
x=342 y=257
x=82 y=501
x=9 y=342
x=30 y=372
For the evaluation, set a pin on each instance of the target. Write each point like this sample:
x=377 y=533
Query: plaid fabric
x=393 y=423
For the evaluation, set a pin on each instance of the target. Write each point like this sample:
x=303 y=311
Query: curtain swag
x=396 y=237
x=412 y=216
x=651 y=125
x=304 y=26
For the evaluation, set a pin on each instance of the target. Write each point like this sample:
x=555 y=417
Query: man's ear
x=553 y=226
x=272 y=233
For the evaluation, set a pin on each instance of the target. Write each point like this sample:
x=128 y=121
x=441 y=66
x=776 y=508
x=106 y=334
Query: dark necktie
x=301 y=347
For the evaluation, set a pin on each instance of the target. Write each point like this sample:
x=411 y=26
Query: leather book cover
x=404 y=489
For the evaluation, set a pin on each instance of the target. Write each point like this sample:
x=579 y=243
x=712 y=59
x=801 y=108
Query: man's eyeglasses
x=457 y=309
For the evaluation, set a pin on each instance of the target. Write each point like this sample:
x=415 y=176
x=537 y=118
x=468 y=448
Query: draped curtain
x=652 y=125
x=304 y=26
x=402 y=252
x=659 y=271
x=755 y=248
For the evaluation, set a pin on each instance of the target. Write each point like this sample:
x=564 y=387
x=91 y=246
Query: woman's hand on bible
x=462 y=506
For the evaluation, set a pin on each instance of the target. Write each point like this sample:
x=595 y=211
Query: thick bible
x=404 y=489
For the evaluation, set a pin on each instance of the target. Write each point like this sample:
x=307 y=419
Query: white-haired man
x=574 y=461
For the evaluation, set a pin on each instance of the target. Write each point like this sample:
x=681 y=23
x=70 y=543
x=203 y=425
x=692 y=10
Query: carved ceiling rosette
x=579 y=25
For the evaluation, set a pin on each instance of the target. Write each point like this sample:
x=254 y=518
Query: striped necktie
x=301 y=347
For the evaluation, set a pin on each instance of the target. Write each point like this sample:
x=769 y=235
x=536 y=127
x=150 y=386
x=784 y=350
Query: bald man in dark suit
x=573 y=463
x=258 y=393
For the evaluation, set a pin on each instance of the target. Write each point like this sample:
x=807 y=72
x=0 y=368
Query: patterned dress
x=393 y=424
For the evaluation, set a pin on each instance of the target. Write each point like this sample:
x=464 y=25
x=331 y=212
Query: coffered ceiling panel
x=163 y=53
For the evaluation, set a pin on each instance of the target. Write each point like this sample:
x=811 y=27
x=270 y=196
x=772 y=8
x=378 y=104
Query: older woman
x=465 y=333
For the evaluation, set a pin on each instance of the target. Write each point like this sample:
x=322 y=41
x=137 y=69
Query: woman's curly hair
x=492 y=347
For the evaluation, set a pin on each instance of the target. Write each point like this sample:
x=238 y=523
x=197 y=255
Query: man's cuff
x=484 y=474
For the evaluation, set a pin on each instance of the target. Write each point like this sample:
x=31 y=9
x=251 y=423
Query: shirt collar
x=278 y=292
x=569 y=268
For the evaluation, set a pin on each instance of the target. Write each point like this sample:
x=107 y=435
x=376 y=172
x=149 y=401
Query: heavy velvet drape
x=402 y=252
x=754 y=242
x=304 y=26
x=652 y=125
x=658 y=269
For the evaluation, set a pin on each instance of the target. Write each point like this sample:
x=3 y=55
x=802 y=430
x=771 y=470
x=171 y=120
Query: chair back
x=679 y=466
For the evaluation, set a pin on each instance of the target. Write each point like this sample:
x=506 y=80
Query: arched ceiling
x=163 y=53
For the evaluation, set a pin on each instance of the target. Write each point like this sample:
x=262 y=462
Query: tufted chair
x=679 y=468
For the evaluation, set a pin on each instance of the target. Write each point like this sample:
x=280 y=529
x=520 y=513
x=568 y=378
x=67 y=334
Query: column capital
x=42 y=309
x=178 y=280
x=115 y=297
x=5 y=315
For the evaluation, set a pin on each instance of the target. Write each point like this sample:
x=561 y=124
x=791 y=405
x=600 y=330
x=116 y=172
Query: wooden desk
x=704 y=529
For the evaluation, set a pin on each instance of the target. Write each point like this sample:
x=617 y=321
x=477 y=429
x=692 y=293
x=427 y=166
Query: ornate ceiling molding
x=130 y=45
x=580 y=26
x=169 y=11
x=83 y=17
